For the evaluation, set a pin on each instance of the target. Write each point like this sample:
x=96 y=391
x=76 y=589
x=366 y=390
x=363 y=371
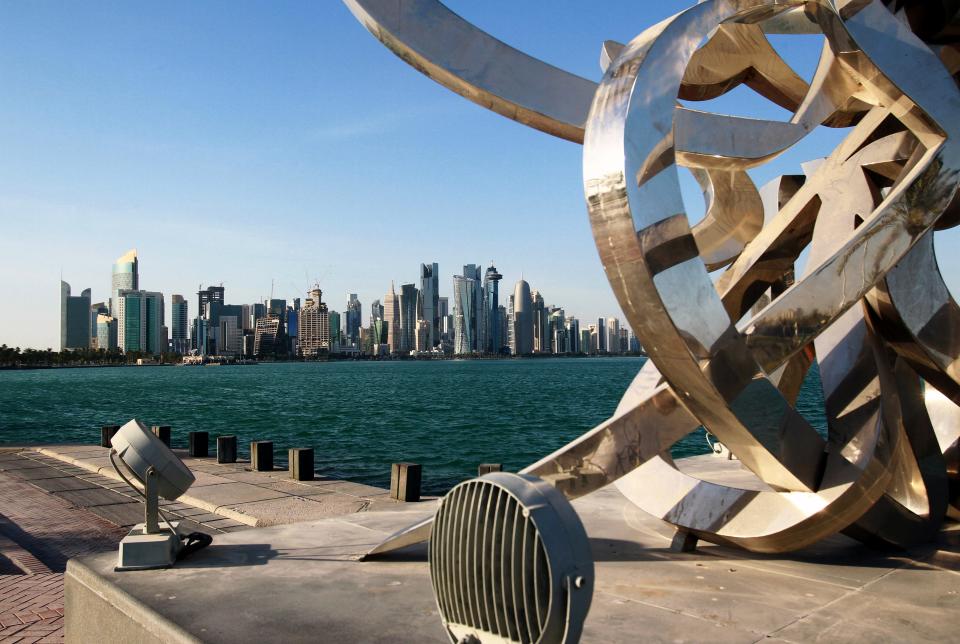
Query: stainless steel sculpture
x=870 y=305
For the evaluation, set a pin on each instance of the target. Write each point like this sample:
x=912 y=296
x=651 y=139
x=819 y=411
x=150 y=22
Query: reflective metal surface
x=729 y=352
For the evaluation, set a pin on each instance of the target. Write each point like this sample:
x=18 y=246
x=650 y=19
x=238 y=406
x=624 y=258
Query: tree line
x=17 y=357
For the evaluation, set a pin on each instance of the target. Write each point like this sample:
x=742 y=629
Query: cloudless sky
x=240 y=143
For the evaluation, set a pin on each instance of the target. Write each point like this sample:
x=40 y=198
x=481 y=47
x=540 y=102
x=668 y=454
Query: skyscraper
x=465 y=305
x=354 y=314
x=601 y=336
x=479 y=320
x=491 y=309
x=314 y=325
x=74 y=319
x=140 y=321
x=210 y=300
x=408 y=318
x=522 y=319
x=391 y=317
x=541 y=324
x=430 y=304
x=97 y=309
x=335 y=330
x=106 y=332
x=504 y=324
x=178 y=323
x=613 y=335
x=126 y=276
x=376 y=312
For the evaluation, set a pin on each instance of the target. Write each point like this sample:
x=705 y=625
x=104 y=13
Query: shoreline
x=247 y=362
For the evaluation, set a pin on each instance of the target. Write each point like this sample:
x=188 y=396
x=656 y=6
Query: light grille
x=490 y=568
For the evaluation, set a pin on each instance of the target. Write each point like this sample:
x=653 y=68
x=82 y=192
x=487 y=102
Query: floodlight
x=161 y=474
x=510 y=562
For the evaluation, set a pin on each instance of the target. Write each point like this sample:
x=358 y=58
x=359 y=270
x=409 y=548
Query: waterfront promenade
x=58 y=502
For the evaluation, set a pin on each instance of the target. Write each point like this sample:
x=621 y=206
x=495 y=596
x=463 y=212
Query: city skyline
x=132 y=128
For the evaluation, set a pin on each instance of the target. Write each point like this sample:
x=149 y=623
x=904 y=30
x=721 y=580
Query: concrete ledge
x=302 y=583
x=98 y=612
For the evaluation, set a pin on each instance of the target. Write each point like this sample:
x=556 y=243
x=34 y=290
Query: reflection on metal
x=729 y=351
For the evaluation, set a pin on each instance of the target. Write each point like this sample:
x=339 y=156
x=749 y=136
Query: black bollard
x=106 y=434
x=486 y=468
x=301 y=463
x=405 y=481
x=199 y=444
x=162 y=432
x=226 y=449
x=261 y=456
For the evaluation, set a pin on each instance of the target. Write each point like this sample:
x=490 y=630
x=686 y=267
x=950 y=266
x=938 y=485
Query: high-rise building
x=557 y=331
x=96 y=309
x=511 y=338
x=522 y=319
x=585 y=341
x=314 y=325
x=74 y=319
x=354 y=315
x=466 y=303
x=541 y=324
x=491 y=309
x=210 y=300
x=613 y=335
x=444 y=312
x=126 y=276
x=573 y=335
x=503 y=322
x=268 y=338
x=178 y=324
x=106 y=332
x=408 y=318
x=140 y=321
x=430 y=301
x=391 y=317
x=336 y=333
x=601 y=331
x=376 y=312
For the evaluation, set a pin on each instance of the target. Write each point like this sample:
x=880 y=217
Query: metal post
x=151 y=524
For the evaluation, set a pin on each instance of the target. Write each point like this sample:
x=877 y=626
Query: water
x=358 y=416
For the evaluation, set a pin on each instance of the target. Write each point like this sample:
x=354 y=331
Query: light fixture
x=510 y=562
x=161 y=474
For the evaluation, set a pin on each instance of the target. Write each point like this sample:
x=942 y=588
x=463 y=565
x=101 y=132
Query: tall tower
x=430 y=295
x=408 y=318
x=74 y=319
x=178 y=323
x=522 y=319
x=491 y=309
x=126 y=276
x=391 y=317
x=353 y=318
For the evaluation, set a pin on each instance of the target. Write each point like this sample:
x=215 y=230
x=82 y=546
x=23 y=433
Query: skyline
x=280 y=141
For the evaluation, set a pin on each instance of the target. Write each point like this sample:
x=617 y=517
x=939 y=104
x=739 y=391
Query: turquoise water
x=358 y=416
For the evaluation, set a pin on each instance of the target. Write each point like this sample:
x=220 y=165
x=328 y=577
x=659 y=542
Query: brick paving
x=51 y=511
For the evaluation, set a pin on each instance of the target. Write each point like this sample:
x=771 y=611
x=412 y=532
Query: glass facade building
x=430 y=301
x=74 y=319
x=125 y=277
x=491 y=310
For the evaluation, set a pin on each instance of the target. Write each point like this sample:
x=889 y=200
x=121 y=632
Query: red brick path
x=50 y=530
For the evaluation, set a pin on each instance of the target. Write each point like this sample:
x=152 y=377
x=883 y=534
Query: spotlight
x=161 y=474
x=510 y=562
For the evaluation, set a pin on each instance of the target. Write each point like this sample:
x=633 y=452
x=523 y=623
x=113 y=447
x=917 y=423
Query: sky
x=272 y=145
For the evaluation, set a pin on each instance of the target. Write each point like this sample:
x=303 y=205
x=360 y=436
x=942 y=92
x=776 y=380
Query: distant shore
x=330 y=358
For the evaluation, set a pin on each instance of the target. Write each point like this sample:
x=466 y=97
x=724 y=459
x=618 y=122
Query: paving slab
x=295 y=509
x=643 y=592
x=91 y=498
x=61 y=484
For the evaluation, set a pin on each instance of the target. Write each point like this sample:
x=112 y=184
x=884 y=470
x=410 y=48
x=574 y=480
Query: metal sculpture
x=728 y=327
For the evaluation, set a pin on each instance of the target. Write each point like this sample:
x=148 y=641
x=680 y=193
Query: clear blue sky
x=238 y=142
